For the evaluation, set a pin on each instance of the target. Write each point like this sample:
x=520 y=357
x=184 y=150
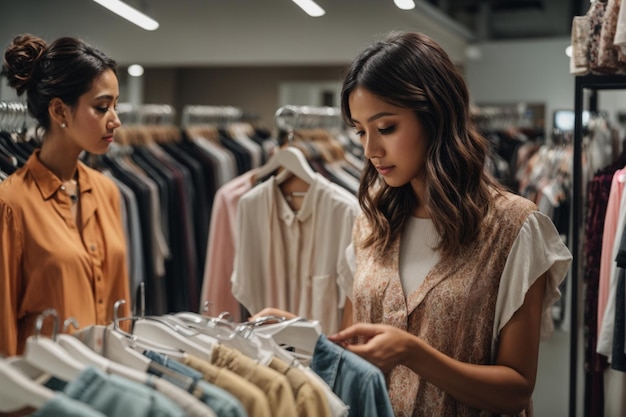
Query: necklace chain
x=73 y=195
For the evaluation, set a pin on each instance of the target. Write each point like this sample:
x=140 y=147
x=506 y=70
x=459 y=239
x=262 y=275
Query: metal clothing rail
x=144 y=114
x=200 y=114
x=290 y=117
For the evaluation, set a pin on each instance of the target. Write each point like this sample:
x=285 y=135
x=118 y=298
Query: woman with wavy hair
x=453 y=275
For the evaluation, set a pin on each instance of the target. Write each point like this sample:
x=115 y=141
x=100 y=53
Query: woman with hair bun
x=62 y=243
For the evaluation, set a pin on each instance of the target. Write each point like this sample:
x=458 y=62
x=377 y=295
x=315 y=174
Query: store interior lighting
x=310 y=7
x=405 y=4
x=129 y=13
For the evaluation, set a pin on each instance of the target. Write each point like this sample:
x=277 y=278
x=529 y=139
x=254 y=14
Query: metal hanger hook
x=39 y=323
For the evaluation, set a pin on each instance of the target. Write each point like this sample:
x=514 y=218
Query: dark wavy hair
x=65 y=69
x=410 y=70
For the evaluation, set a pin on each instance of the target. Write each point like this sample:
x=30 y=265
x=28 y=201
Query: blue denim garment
x=222 y=402
x=63 y=406
x=358 y=383
x=116 y=396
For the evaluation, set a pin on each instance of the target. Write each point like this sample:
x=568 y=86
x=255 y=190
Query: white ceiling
x=230 y=32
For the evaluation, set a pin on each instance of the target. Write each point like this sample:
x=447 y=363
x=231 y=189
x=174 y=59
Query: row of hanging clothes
x=180 y=187
x=531 y=166
x=168 y=175
x=604 y=253
x=513 y=136
x=187 y=364
x=599 y=39
x=16 y=137
x=278 y=232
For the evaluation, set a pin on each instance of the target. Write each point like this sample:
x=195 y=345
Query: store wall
x=530 y=71
x=254 y=89
x=522 y=71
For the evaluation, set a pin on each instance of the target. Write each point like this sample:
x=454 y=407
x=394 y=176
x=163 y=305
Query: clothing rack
x=593 y=83
x=290 y=117
x=14 y=116
x=144 y=114
x=200 y=114
x=503 y=116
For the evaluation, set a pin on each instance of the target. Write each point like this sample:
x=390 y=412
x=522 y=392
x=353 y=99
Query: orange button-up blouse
x=47 y=261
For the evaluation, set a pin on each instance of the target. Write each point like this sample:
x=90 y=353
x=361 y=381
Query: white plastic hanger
x=81 y=352
x=124 y=348
x=292 y=160
x=19 y=391
x=113 y=345
x=46 y=355
x=297 y=333
x=178 y=337
x=221 y=331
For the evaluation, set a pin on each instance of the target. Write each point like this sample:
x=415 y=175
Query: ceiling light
x=135 y=70
x=132 y=15
x=310 y=7
x=405 y=4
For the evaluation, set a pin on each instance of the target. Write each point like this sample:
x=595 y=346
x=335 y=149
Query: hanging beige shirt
x=251 y=397
x=191 y=405
x=310 y=400
x=294 y=261
x=275 y=385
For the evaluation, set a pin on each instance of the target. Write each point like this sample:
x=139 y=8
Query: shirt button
x=92 y=247
x=100 y=301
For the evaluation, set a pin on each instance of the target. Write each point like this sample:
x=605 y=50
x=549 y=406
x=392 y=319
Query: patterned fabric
x=607 y=54
x=596 y=20
x=579 y=62
x=620 y=35
x=453 y=310
x=595 y=364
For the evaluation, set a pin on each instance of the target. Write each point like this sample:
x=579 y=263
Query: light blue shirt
x=118 y=397
x=62 y=406
x=219 y=400
x=356 y=381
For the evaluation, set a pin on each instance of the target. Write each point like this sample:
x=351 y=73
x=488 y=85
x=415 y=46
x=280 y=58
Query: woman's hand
x=385 y=346
x=271 y=311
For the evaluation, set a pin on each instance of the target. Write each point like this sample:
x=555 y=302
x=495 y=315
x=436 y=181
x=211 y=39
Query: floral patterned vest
x=453 y=310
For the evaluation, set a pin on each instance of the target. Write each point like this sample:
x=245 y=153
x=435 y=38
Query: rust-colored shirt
x=47 y=261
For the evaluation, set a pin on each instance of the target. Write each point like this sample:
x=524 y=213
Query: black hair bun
x=21 y=59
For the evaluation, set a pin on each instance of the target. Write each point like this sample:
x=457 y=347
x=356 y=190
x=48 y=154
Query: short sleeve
x=537 y=250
